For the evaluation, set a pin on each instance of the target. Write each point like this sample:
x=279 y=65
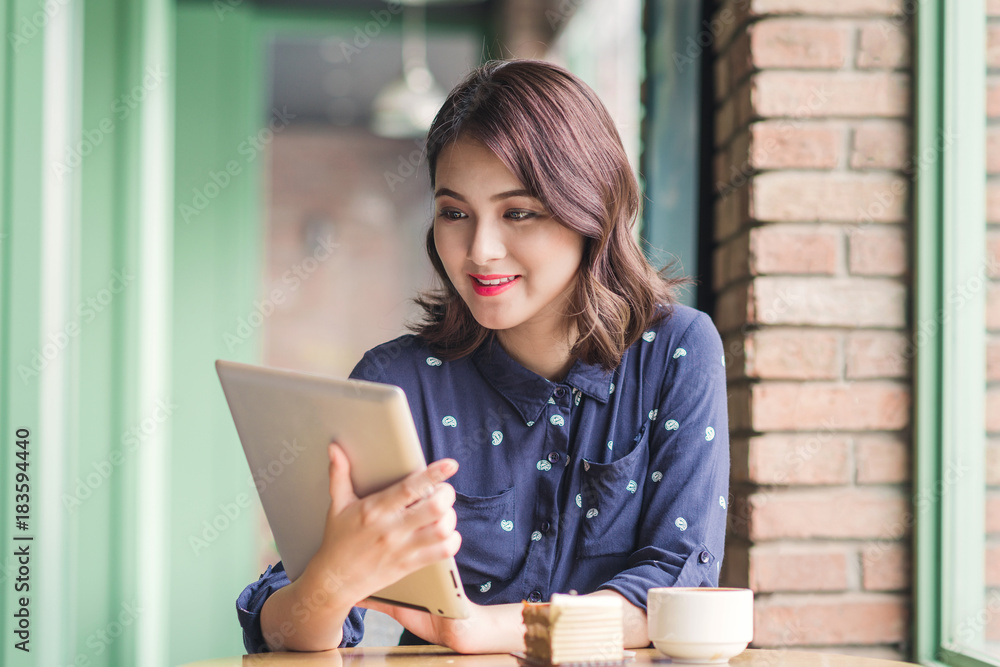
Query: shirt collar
x=528 y=391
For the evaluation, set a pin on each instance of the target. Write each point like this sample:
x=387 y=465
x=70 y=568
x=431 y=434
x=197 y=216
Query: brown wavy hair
x=550 y=129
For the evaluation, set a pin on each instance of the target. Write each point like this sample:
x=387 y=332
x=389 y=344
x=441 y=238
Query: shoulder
x=684 y=341
x=684 y=324
x=407 y=355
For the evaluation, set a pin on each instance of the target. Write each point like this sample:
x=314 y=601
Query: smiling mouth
x=490 y=281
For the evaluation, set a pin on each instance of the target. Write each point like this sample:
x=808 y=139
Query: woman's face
x=512 y=263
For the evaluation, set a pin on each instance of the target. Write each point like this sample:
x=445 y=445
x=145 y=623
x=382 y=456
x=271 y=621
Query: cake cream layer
x=573 y=628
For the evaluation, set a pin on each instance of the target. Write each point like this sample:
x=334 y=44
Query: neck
x=547 y=355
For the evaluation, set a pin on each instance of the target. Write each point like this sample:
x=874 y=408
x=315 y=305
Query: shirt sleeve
x=252 y=599
x=682 y=528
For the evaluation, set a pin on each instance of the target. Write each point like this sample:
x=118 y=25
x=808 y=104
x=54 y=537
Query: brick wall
x=812 y=226
x=993 y=312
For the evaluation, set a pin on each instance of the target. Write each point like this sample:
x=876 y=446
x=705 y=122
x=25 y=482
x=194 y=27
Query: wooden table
x=435 y=656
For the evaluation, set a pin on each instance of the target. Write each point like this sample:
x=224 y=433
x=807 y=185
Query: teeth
x=498 y=281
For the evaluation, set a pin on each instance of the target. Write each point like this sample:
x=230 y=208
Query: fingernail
x=448 y=466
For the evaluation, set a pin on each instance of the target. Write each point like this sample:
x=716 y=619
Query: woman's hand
x=372 y=542
x=488 y=629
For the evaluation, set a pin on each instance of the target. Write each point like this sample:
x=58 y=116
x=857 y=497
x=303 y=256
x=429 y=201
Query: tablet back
x=285 y=421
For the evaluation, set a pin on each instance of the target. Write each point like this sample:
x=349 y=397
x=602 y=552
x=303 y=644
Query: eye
x=450 y=214
x=520 y=214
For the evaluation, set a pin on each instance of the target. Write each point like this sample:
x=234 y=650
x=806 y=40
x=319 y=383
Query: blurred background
x=189 y=180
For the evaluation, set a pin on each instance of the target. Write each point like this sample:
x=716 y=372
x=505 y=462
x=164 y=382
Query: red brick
x=800 y=458
x=721 y=80
x=740 y=64
x=799 y=44
x=797 y=249
x=993 y=307
x=732 y=212
x=992 y=359
x=830 y=94
x=728 y=20
x=739 y=408
x=993 y=564
x=801 y=197
x=853 y=618
x=835 y=513
x=731 y=261
x=993 y=513
x=877 y=354
x=792 y=354
x=993 y=253
x=993 y=150
x=992 y=45
x=993 y=200
x=993 y=410
x=736 y=565
x=785 y=144
x=849 y=302
x=881 y=144
x=860 y=406
x=799 y=568
x=882 y=459
x=725 y=122
x=992 y=97
x=734 y=170
x=877 y=251
x=993 y=462
x=731 y=308
x=885 y=567
x=842 y=8
x=883 y=45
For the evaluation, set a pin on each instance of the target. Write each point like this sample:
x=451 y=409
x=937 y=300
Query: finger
x=428 y=511
x=341 y=488
x=427 y=549
x=421 y=484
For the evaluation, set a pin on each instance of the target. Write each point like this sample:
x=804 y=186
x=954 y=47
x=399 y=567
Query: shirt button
x=553 y=457
x=560 y=392
x=534 y=596
x=544 y=527
x=704 y=557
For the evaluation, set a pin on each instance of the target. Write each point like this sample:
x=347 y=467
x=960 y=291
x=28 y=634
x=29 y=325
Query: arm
x=367 y=545
x=681 y=533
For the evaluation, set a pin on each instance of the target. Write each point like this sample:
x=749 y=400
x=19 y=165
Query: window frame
x=949 y=330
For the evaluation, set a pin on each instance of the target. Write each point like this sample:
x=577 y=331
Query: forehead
x=470 y=162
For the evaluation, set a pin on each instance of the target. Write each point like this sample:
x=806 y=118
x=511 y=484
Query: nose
x=487 y=244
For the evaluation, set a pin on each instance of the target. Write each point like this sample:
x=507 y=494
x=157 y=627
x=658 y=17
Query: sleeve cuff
x=699 y=569
x=251 y=601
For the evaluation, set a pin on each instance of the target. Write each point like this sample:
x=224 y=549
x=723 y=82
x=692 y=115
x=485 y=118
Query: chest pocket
x=611 y=501
x=486 y=524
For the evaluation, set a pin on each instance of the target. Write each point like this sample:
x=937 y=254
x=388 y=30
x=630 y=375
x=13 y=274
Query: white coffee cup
x=702 y=626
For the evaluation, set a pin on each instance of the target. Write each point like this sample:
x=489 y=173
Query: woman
x=579 y=414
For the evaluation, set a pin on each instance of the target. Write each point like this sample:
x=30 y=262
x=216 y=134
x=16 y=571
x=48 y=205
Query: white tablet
x=286 y=420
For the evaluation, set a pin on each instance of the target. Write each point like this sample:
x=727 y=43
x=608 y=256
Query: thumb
x=341 y=488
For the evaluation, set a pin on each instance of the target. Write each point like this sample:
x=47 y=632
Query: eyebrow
x=445 y=192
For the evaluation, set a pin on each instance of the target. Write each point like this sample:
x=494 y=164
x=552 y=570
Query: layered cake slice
x=574 y=629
